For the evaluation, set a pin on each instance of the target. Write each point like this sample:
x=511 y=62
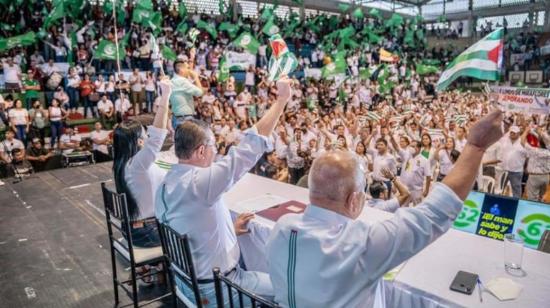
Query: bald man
x=325 y=257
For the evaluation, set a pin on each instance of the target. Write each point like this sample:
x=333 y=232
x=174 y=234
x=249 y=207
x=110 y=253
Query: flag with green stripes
x=483 y=60
x=163 y=165
x=371 y=115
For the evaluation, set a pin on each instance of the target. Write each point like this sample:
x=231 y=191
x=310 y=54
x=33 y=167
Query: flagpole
x=117 y=63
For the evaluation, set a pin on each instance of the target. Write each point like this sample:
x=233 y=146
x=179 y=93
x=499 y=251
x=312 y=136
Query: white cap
x=515 y=129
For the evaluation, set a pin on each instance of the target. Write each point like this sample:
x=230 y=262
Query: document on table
x=259 y=203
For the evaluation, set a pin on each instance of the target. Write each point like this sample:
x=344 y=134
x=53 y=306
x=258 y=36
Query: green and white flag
x=282 y=61
x=193 y=34
x=26 y=39
x=182 y=27
x=371 y=115
x=248 y=42
x=223 y=70
x=106 y=50
x=461 y=119
x=270 y=28
x=483 y=60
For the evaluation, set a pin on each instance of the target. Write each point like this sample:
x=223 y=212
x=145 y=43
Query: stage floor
x=54 y=249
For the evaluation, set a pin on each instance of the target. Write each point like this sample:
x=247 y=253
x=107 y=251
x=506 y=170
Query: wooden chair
x=246 y=298
x=118 y=222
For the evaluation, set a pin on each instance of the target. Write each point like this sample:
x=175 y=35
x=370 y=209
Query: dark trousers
x=56 y=132
x=295 y=174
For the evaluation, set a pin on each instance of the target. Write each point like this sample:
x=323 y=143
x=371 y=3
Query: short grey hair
x=189 y=136
x=334 y=175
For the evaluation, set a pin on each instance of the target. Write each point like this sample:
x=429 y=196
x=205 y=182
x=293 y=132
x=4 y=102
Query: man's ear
x=354 y=204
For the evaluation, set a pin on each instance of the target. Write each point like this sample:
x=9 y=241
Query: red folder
x=275 y=212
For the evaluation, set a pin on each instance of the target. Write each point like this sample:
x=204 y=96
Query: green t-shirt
x=31 y=93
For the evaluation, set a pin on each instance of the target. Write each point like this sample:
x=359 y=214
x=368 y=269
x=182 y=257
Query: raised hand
x=486 y=131
x=284 y=90
x=165 y=86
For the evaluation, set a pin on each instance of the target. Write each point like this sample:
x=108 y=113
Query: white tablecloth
x=425 y=279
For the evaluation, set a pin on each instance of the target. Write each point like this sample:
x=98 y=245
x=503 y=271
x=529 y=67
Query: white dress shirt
x=414 y=170
x=384 y=205
x=339 y=261
x=190 y=201
x=512 y=155
x=143 y=176
x=380 y=162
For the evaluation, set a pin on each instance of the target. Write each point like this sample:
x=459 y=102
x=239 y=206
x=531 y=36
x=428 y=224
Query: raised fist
x=486 y=131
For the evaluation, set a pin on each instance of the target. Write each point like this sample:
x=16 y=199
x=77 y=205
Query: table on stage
x=424 y=280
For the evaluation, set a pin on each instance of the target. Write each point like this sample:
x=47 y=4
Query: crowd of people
x=353 y=115
x=385 y=139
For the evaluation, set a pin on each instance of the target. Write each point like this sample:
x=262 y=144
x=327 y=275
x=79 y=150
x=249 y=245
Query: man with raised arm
x=190 y=197
x=325 y=257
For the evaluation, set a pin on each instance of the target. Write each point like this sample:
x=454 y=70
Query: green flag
x=270 y=27
x=358 y=13
x=332 y=69
x=58 y=12
x=375 y=13
x=373 y=38
x=343 y=7
x=182 y=10
x=223 y=70
x=364 y=73
x=230 y=28
x=346 y=32
x=144 y=5
x=208 y=28
x=422 y=69
x=73 y=46
x=168 y=53
x=248 y=42
x=409 y=37
x=26 y=39
x=396 y=20
x=106 y=50
x=147 y=18
x=182 y=27
x=267 y=13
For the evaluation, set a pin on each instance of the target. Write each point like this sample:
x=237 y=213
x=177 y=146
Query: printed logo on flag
x=109 y=50
x=246 y=39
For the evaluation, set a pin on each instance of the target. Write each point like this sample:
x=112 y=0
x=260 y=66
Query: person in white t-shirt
x=101 y=140
x=12 y=76
x=8 y=145
x=381 y=197
x=262 y=52
x=19 y=120
x=70 y=140
x=122 y=105
x=250 y=78
x=136 y=90
x=106 y=110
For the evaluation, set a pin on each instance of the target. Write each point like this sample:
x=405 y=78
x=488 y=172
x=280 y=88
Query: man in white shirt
x=106 y=110
x=190 y=197
x=100 y=139
x=326 y=257
x=513 y=155
x=382 y=159
x=12 y=76
x=8 y=145
x=136 y=91
x=415 y=172
x=70 y=141
x=381 y=198
x=122 y=105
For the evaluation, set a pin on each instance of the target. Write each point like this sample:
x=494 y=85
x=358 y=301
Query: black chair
x=178 y=252
x=253 y=300
x=118 y=222
x=544 y=244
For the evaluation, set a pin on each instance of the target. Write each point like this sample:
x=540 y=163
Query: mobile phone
x=464 y=282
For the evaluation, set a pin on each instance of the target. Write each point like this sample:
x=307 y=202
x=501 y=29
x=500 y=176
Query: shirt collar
x=331 y=217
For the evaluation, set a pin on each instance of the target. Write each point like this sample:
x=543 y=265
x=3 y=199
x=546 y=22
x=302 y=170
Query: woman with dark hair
x=446 y=155
x=135 y=171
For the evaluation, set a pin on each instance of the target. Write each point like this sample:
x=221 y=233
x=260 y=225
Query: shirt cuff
x=153 y=131
x=444 y=200
x=267 y=142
